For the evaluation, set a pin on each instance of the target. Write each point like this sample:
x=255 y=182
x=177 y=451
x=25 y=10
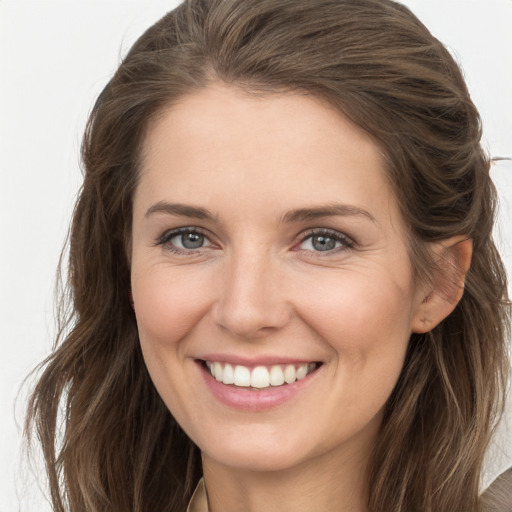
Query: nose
x=250 y=301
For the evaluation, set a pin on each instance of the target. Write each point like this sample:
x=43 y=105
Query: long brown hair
x=108 y=440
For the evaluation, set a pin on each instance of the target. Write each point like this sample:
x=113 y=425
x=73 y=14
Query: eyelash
x=169 y=235
x=347 y=242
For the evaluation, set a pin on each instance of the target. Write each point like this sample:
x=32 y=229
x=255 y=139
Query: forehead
x=286 y=150
x=229 y=114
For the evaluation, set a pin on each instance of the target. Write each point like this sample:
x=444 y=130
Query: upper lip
x=264 y=360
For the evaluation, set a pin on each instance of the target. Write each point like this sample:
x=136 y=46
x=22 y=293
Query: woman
x=281 y=271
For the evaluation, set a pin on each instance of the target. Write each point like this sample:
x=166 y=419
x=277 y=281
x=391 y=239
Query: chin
x=260 y=450
x=254 y=458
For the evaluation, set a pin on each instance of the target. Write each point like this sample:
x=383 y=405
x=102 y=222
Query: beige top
x=198 y=502
x=497 y=498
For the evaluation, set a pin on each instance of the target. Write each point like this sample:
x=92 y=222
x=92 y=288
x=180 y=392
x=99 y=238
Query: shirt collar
x=198 y=502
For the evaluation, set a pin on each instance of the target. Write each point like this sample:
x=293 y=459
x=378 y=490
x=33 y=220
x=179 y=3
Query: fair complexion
x=265 y=235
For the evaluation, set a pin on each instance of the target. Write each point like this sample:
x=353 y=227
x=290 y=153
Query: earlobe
x=441 y=296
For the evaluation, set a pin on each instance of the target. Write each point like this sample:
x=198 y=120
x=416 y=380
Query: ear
x=439 y=297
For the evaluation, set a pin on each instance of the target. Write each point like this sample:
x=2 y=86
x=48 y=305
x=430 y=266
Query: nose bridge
x=250 y=299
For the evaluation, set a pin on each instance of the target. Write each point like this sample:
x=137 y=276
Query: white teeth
x=242 y=376
x=290 y=374
x=259 y=377
x=217 y=369
x=276 y=376
x=302 y=371
x=229 y=375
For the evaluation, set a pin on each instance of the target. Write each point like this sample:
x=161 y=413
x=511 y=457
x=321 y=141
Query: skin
x=258 y=287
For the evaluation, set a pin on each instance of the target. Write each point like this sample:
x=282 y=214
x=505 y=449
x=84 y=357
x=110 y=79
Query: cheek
x=168 y=307
x=366 y=324
x=357 y=310
x=168 y=304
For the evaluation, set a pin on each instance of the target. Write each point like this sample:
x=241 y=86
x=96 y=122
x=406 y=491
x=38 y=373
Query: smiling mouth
x=259 y=377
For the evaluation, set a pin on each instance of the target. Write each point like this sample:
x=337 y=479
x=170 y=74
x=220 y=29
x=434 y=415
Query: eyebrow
x=306 y=214
x=182 y=210
x=298 y=215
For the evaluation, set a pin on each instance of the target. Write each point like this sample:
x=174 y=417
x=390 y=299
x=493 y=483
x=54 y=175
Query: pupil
x=192 y=240
x=323 y=243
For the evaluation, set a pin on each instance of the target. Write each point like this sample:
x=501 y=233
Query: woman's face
x=268 y=247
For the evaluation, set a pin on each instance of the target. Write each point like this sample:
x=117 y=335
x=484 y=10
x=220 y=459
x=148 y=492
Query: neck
x=329 y=483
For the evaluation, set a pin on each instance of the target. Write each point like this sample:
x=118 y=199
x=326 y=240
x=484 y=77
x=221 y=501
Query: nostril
x=250 y=321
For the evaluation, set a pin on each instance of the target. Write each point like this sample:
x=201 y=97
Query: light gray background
x=55 y=57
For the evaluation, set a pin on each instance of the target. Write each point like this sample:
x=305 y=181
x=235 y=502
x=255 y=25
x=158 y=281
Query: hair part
x=121 y=449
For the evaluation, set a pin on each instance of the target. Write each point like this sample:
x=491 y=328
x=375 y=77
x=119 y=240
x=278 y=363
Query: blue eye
x=184 y=239
x=325 y=241
x=188 y=240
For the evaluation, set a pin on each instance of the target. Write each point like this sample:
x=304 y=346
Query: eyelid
x=348 y=242
x=167 y=235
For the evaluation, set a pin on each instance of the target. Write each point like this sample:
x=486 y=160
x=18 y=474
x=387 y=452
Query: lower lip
x=255 y=400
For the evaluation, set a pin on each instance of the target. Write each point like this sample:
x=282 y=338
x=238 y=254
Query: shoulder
x=498 y=496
